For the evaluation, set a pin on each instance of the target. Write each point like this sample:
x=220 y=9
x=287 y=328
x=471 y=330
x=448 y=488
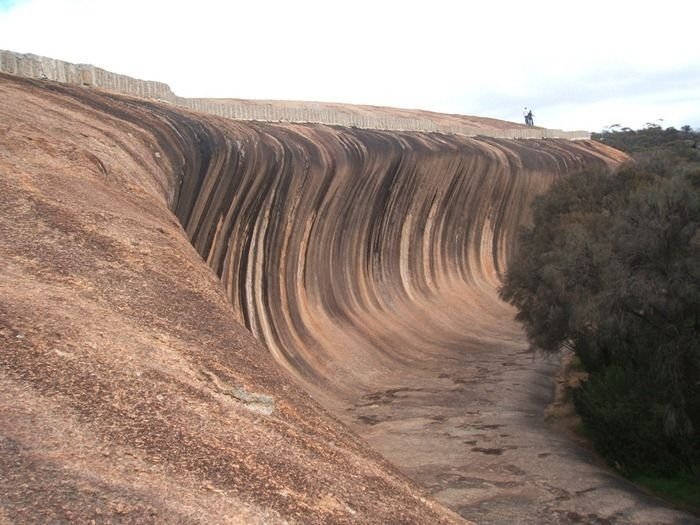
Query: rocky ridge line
x=363 y=117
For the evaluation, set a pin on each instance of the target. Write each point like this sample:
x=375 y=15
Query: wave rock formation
x=365 y=264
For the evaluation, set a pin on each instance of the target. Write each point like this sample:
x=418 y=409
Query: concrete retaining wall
x=33 y=66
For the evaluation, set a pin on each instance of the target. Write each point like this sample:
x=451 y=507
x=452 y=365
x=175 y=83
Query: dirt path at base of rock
x=477 y=440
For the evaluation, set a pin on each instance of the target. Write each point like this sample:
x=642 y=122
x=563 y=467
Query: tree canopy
x=611 y=269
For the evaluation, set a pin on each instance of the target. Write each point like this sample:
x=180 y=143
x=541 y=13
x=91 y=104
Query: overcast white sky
x=579 y=65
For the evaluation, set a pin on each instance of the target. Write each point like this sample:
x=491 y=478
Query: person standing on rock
x=527 y=113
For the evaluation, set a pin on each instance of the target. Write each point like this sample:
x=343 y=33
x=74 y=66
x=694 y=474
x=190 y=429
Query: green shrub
x=634 y=424
x=611 y=269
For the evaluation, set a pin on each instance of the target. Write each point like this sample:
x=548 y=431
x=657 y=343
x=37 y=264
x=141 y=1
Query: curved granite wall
x=337 y=241
x=338 y=246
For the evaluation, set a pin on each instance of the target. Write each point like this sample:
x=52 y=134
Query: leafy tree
x=611 y=269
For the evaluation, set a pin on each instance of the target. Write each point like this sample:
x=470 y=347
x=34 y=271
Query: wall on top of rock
x=34 y=66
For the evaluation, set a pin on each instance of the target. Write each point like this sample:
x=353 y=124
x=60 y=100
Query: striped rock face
x=353 y=252
x=188 y=306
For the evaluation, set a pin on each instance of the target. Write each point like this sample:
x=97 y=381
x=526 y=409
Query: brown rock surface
x=128 y=392
x=366 y=261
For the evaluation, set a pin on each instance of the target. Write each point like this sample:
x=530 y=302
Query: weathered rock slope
x=128 y=391
x=367 y=262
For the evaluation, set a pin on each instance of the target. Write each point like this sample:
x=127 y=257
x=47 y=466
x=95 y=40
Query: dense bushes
x=611 y=269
